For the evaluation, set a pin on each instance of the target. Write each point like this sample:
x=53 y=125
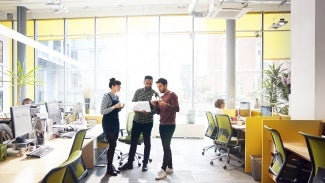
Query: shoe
x=116 y=170
x=126 y=166
x=144 y=167
x=169 y=171
x=111 y=171
x=161 y=174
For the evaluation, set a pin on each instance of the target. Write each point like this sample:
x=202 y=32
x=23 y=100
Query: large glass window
x=190 y=53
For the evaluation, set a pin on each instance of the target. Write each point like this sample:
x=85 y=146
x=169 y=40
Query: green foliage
x=20 y=78
x=276 y=88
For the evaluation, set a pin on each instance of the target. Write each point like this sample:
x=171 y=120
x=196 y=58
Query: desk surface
x=24 y=169
x=298 y=148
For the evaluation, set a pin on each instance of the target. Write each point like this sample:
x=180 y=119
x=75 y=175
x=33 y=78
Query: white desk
x=29 y=170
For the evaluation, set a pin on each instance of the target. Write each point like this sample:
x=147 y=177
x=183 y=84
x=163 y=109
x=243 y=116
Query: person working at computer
x=167 y=108
x=220 y=105
x=27 y=101
x=110 y=108
x=142 y=123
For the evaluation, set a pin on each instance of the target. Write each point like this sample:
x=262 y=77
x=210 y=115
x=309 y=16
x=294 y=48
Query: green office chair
x=79 y=170
x=211 y=132
x=228 y=146
x=316 y=149
x=283 y=169
x=57 y=175
x=127 y=139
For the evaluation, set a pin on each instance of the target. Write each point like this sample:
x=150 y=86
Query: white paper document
x=141 y=106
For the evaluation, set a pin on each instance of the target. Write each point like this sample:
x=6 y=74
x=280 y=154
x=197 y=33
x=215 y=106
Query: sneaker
x=161 y=174
x=169 y=171
x=126 y=166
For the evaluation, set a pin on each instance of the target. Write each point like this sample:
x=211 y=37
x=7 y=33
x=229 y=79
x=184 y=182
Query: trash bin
x=256 y=165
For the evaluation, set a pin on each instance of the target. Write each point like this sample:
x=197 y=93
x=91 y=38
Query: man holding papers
x=142 y=122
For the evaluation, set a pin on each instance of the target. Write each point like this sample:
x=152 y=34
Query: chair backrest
x=129 y=122
x=316 y=149
x=224 y=128
x=280 y=157
x=56 y=175
x=78 y=140
x=212 y=129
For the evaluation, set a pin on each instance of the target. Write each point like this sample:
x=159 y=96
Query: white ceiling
x=43 y=9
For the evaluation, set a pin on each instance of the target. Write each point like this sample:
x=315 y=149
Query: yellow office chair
x=228 y=146
x=283 y=169
x=57 y=175
x=211 y=132
x=78 y=170
x=127 y=139
x=316 y=149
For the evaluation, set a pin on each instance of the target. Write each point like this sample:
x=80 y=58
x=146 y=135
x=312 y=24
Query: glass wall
x=189 y=52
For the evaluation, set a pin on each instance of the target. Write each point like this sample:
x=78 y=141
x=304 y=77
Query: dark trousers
x=111 y=139
x=166 y=134
x=137 y=129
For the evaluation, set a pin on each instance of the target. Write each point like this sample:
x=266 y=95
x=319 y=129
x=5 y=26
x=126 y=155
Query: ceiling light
x=279 y=24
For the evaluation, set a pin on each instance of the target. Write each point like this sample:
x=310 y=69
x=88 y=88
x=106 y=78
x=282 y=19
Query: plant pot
x=87 y=105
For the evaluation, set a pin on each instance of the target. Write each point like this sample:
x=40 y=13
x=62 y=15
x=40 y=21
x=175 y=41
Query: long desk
x=24 y=169
x=297 y=148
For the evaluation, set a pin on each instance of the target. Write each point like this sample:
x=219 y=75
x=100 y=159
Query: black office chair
x=316 y=149
x=282 y=167
x=228 y=146
x=211 y=132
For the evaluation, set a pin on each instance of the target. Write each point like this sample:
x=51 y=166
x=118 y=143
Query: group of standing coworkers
x=166 y=107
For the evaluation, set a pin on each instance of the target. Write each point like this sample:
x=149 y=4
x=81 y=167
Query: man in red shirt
x=167 y=107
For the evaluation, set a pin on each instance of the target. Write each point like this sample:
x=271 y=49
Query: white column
x=307 y=55
x=230 y=64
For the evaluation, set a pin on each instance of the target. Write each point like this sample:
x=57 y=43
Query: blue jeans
x=166 y=134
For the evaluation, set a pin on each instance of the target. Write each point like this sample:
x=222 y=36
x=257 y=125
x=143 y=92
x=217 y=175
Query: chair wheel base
x=211 y=162
x=225 y=167
x=150 y=160
x=139 y=164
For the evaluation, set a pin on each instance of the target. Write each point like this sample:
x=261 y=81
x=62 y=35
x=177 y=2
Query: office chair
x=127 y=140
x=283 y=168
x=78 y=170
x=316 y=149
x=228 y=146
x=57 y=175
x=211 y=132
x=103 y=141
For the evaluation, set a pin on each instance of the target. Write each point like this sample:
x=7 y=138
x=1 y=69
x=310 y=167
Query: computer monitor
x=266 y=111
x=21 y=120
x=54 y=111
x=244 y=109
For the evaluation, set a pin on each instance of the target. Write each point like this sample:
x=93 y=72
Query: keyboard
x=40 y=152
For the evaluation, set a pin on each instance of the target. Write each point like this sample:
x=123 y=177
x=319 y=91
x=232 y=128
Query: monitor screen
x=54 y=111
x=21 y=120
x=266 y=111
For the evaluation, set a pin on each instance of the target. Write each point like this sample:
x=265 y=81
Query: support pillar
x=231 y=64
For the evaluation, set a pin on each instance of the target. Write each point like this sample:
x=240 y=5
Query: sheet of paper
x=141 y=106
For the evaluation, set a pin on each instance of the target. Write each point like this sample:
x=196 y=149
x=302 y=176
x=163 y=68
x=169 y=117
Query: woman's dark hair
x=218 y=103
x=113 y=82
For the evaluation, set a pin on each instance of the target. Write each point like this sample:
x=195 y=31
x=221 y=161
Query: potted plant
x=276 y=88
x=86 y=95
x=22 y=78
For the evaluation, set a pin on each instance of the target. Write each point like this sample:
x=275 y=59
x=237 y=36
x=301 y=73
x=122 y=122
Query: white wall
x=307 y=55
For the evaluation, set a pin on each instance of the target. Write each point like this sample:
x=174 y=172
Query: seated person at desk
x=220 y=105
x=27 y=101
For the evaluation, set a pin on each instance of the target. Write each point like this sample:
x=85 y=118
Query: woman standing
x=110 y=108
